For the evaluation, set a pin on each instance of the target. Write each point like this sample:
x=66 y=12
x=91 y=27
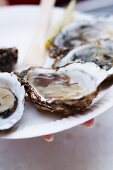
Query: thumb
x=49 y=138
x=89 y=123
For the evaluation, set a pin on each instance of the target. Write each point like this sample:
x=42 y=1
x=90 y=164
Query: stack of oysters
x=82 y=69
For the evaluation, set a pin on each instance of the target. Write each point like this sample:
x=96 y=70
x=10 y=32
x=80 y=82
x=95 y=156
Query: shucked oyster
x=67 y=90
x=80 y=32
x=11 y=100
x=8 y=59
x=100 y=52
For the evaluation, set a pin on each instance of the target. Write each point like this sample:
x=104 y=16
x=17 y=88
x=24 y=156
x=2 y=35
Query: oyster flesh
x=11 y=100
x=68 y=90
x=100 y=52
x=80 y=32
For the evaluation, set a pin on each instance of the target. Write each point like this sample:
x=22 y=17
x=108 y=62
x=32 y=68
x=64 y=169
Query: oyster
x=100 y=52
x=80 y=32
x=8 y=59
x=68 y=90
x=11 y=100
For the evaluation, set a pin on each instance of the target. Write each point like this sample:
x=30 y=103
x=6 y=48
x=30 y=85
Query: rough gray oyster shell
x=100 y=52
x=8 y=59
x=79 y=33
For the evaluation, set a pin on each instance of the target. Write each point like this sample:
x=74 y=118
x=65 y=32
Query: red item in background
x=12 y=2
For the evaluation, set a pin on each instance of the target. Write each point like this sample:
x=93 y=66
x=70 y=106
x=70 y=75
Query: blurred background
x=79 y=148
x=12 y=2
x=90 y=6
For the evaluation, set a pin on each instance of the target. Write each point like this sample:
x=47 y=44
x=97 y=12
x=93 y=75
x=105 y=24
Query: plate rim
x=57 y=123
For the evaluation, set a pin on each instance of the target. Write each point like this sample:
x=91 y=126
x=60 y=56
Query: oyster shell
x=11 y=100
x=8 y=59
x=100 y=52
x=80 y=32
x=68 y=90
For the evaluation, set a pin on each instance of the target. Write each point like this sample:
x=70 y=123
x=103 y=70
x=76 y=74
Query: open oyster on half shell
x=79 y=33
x=100 y=52
x=11 y=100
x=68 y=90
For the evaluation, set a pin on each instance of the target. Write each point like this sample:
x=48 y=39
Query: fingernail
x=89 y=123
x=49 y=138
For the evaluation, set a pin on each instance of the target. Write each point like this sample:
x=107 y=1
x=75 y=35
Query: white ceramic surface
x=17 y=26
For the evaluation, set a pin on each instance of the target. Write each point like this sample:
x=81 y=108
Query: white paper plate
x=17 y=25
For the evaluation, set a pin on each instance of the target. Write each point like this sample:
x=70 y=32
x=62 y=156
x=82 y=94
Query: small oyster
x=81 y=32
x=8 y=59
x=11 y=100
x=68 y=90
x=100 y=52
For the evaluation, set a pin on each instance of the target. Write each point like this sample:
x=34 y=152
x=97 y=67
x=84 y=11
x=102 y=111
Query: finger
x=49 y=138
x=89 y=123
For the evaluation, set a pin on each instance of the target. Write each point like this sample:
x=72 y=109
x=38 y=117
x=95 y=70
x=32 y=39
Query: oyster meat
x=8 y=59
x=80 y=32
x=68 y=90
x=100 y=52
x=11 y=100
x=8 y=102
